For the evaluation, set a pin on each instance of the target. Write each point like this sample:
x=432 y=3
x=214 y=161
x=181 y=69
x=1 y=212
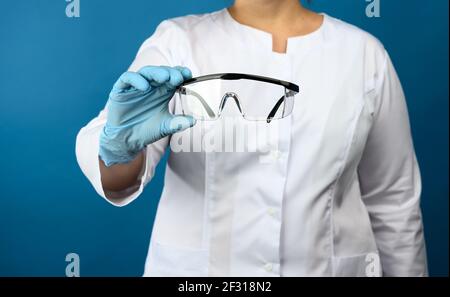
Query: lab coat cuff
x=87 y=151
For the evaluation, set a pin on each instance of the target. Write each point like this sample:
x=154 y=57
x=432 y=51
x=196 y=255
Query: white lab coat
x=339 y=190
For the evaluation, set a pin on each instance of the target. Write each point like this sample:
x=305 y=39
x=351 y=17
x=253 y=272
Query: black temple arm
x=274 y=110
x=205 y=105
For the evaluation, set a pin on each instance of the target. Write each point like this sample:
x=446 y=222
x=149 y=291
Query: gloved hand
x=138 y=112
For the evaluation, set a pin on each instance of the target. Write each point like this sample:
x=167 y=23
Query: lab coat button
x=276 y=155
x=268 y=267
x=271 y=211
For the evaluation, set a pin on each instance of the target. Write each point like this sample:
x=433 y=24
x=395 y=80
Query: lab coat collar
x=261 y=40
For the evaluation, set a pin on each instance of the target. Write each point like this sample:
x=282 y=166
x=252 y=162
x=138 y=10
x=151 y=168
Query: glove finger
x=176 y=77
x=130 y=80
x=174 y=124
x=156 y=75
x=186 y=72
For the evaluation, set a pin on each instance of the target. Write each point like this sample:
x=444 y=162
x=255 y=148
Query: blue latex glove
x=138 y=112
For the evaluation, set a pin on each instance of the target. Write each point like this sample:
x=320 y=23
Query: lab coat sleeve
x=154 y=51
x=390 y=180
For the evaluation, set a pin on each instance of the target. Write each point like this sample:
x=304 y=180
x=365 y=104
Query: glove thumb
x=177 y=123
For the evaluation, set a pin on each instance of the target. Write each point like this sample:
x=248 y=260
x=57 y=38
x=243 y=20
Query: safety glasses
x=257 y=98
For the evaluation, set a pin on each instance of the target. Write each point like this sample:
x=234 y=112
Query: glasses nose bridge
x=225 y=98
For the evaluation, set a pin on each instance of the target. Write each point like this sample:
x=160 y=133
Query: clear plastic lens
x=202 y=100
x=258 y=101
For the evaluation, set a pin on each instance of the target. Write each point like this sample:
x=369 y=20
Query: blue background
x=56 y=73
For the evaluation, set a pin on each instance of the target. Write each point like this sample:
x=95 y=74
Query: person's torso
x=249 y=198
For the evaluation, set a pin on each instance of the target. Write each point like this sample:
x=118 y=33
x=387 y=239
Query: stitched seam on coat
x=333 y=187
